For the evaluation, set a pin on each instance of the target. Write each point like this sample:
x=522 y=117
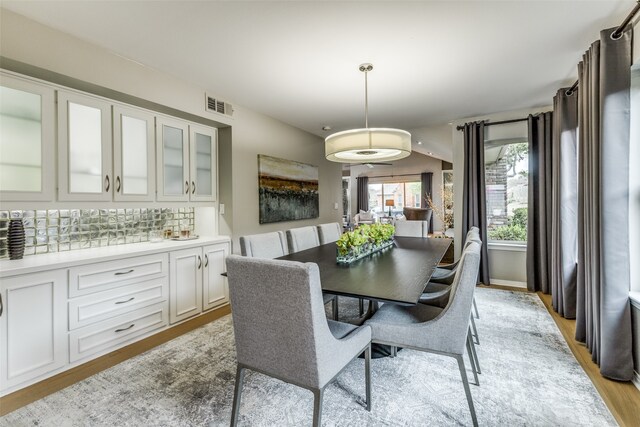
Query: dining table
x=397 y=274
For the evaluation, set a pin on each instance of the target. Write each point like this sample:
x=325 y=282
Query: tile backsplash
x=58 y=230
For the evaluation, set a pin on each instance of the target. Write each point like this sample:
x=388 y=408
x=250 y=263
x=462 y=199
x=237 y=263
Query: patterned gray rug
x=529 y=377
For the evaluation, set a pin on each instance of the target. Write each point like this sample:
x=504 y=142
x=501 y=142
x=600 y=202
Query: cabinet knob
x=107 y=183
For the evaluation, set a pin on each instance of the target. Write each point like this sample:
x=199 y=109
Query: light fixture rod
x=366 y=101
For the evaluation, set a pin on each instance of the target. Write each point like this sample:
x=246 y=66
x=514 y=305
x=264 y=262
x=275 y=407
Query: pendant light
x=367 y=144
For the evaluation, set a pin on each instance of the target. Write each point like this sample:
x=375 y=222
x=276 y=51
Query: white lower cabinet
x=33 y=326
x=195 y=282
x=53 y=320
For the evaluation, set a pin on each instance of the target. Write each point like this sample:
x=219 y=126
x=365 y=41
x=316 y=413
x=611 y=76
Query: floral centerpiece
x=364 y=240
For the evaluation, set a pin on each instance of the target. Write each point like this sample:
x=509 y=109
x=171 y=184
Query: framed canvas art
x=288 y=190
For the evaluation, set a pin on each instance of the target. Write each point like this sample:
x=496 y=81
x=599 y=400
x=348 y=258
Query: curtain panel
x=603 y=318
x=426 y=180
x=539 y=201
x=362 y=194
x=474 y=207
x=564 y=224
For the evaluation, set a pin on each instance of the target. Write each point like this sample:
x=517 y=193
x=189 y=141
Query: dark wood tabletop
x=397 y=274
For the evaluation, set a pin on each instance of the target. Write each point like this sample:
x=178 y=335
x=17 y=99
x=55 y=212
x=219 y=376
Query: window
x=402 y=193
x=506 y=166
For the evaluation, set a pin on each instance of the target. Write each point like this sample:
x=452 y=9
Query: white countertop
x=55 y=260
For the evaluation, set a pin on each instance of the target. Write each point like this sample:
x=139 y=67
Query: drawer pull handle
x=1 y=305
x=199 y=262
x=186 y=186
x=122 y=302
x=120 y=273
x=206 y=260
x=107 y=183
x=125 y=329
x=193 y=187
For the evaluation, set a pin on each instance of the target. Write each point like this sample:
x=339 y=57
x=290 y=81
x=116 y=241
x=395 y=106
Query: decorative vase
x=15 y=239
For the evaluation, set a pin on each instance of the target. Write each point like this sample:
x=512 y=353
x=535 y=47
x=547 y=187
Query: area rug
x=529 y=377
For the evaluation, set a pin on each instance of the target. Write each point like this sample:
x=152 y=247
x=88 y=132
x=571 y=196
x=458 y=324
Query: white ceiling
x=297 y=61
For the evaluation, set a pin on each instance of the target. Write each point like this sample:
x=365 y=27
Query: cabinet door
x=33 y=326
x=203 y=163
x=84 y=147
x=185 y=284
x=27 y=139
x=215 y=289
x=133 y=154
x=173 y=165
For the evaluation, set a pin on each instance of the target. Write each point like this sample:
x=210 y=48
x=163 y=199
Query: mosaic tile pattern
x=61 y=230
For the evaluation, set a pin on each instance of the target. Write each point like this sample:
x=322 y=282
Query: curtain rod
x=393 y=176
x=615 y=35
x=524 y=119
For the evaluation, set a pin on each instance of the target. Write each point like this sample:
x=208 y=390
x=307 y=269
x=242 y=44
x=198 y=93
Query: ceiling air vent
x=218 y=106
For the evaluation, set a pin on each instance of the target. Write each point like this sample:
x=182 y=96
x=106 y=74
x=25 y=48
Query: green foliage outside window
x=515 y=230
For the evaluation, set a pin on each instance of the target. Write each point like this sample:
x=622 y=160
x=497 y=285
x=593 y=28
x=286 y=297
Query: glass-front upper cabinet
x=84 y=148
x=203 y=167
x=172 y=146
x=27 y=140
x=133 y=152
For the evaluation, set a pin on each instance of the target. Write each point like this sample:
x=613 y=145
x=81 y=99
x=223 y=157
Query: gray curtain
x=539 y=201
x=474 y=207
x=564 y=224
x=603 y=318
x=426 y=180
x=362 y=194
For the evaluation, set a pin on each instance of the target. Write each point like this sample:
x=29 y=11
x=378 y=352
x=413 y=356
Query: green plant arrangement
x=364 y=240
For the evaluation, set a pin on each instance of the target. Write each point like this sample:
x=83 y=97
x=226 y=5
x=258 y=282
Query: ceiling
x=297 y=61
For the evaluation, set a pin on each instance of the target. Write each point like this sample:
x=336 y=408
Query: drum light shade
x=367 y=145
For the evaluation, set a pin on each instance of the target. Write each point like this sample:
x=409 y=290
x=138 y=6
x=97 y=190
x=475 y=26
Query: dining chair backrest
x=455 y=316
x=280 y=326
x=302 y=238
x=265 y=245
x=328 y=233
x=410 y=228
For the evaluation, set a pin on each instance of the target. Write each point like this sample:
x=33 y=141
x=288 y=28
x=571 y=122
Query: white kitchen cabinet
x=133 y=154
x=33 y=326
x=215 y=289
x=27 y=140
x=84 y=148
x=187 y=161
x=203 y=149
x=185 y=284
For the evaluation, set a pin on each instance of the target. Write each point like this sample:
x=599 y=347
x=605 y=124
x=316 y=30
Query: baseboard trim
x=22 y=397
x=512 y=283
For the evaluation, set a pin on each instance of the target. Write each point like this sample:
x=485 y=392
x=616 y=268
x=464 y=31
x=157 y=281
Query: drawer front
x=97 y=277
x=114 y=333
x=101 y=306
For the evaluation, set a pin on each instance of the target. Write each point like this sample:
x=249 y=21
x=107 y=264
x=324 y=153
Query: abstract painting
x=288 y=190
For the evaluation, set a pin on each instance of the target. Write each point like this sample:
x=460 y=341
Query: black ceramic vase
x=15 y=239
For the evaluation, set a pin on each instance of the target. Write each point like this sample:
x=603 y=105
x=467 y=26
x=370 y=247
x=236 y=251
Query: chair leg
x=473 y=353
x=361 y=307
x=237 y=394
x=317 y=407
x=475 y=330
x=334 y=306
x=475 y=307
x=467 y=390
x=367 y=376
x=472 y=359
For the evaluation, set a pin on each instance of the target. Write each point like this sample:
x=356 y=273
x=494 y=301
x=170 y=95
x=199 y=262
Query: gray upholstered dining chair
x=329 y=232
x=281 y=330
x=302 y=238
x=265 y=245
x=274 y=245
x=445 y=273
x=433 y=329
x=407 y=228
